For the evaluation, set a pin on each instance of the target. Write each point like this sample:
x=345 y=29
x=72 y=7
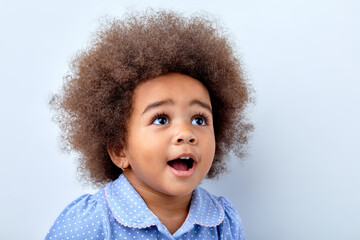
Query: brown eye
x=160 y=120
x=199 y=120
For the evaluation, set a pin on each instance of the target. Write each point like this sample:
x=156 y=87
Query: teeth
x=185 y=157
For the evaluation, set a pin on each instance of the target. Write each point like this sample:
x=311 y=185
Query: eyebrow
x=202 y=104
x=171 y=102
x=157 y=104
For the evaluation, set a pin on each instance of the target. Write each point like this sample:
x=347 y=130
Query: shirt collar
x=205 y=210
x=130 y=210
x=127 y=206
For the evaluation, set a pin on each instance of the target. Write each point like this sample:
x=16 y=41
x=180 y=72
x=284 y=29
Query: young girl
x=153 y=106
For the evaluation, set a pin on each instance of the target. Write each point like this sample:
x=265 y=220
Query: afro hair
x=94 y=104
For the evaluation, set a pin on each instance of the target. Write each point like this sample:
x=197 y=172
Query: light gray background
x=301 y=178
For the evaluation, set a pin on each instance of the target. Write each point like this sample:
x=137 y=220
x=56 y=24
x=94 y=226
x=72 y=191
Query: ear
x=119 y=158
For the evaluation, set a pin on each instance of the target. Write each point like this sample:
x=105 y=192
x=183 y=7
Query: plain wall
x=301 y=177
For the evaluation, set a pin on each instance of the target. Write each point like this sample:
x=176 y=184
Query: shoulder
x=84 y=218
x=231 y=224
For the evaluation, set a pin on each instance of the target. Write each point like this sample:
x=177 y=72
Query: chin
x=180 y=189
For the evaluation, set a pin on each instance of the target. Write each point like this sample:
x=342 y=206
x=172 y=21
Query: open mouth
x=181 y=164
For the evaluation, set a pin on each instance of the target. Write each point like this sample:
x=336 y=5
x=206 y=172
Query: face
x=170 y=144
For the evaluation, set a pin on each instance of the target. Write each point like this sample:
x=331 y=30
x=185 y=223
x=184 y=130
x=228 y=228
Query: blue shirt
x=117 y=211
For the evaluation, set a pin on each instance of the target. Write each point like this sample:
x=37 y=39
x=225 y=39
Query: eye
x=160 y=120
x=199 y=120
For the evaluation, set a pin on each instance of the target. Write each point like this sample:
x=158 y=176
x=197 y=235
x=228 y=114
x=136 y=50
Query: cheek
x=211 y=149
x=210 y=136
x=208 y=146
x=147 y=146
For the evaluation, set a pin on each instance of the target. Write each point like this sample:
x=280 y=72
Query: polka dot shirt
x=118 y=212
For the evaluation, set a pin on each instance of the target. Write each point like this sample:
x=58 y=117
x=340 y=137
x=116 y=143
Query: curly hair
x=94 y=104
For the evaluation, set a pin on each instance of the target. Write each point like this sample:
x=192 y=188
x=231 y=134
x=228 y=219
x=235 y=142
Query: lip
x=187 y=173
x=186 y=155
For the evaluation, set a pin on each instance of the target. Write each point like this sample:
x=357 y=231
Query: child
x=153 y=106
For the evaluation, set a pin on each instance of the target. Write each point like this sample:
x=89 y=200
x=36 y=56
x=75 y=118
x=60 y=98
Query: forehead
x=179 y=87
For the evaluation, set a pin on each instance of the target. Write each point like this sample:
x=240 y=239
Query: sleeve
x=82 y=219
x=232 y=227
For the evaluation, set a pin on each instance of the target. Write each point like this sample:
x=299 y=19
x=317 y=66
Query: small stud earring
x=121 y=166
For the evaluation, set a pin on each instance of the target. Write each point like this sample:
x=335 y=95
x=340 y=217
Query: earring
x=121 y=166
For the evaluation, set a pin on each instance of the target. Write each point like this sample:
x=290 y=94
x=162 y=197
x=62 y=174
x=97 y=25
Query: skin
x=185 y=126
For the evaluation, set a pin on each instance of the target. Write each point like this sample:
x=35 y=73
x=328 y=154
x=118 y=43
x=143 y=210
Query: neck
x=172 y=211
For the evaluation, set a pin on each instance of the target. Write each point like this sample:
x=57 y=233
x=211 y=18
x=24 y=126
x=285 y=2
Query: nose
x=184 y=134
